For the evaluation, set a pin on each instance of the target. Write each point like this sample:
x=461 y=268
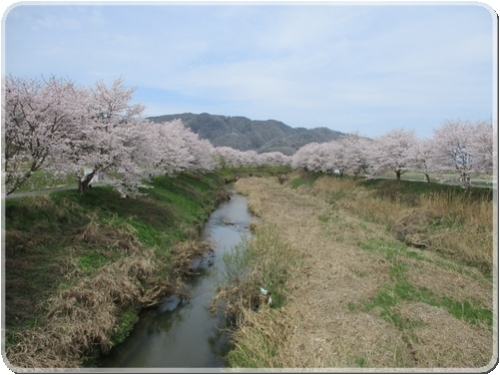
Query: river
x=189 y=336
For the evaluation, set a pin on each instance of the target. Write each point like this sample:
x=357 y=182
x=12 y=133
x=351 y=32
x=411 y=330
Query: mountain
x=244 y=134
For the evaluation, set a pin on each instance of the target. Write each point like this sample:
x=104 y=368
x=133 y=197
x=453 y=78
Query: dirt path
x=46 y=191
x=362 y=299
x=38 y=192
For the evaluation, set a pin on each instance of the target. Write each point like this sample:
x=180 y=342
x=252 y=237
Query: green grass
x=470 y=311
x=360 y=361
x=41 y=180
x=258 y=171
x=406 y=190
x=402 y=290
x=309 y=178
x=92 y=260
x=390 y=249
x=299 y=182
x=126 y=321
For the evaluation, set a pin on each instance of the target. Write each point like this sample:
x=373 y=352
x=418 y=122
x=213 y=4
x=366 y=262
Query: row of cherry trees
x=65 y=129
x=57 y=126
x=459 y=146
x=229 y=157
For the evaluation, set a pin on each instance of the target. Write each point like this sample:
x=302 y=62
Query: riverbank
x=79 y=268
x=384 y=275
x=186 y=334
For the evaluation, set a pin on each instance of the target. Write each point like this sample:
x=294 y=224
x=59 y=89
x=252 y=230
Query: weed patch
x=299 y=182
x=124 y=325
x=255 y=273
x=91 y=261
x=388 y=249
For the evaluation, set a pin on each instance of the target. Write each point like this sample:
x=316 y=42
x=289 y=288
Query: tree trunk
x=465 y=180
x=398 y=175
x=427 y=178
x=84 y=183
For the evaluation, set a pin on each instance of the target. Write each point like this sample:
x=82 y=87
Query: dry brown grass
x=450 y=284
x=183 y=254
x=446 y=342
x=446 y=222
x=111 y=235
x=459 y=227
x=323 y=325
x=260 y=336
x=471 y=238
x=82 y=318
x=263 y=262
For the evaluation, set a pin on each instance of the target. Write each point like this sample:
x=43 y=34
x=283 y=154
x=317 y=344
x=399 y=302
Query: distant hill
x=244 y=134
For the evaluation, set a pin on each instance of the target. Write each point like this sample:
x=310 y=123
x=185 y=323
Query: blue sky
x=363 y=67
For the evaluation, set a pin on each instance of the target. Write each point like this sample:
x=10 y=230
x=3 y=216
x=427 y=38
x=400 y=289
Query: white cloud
x=350 y=66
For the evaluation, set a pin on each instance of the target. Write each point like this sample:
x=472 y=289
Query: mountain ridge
x=244 y=134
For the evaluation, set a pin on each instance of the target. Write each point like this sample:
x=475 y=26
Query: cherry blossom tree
x=350 y=153
x=250 y=158
x=425 y=157
x=482 y=146
x=394 y=151
x=465 y=147
x=318 y=158
x=168 y=150
x=273 y=158
x=202 y=158
x=453 y=141
x=335 y=160
x=358 y=153
x=305 y=157
x=228 y=156
x=111 y=140
x=38 y=116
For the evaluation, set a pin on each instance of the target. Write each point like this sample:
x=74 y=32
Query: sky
x=351 y=67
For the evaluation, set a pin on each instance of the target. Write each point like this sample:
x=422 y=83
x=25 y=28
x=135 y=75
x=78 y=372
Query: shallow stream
x=183 y=333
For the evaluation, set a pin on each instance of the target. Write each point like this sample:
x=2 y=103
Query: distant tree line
x=460 y=146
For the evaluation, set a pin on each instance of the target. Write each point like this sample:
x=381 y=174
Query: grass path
x=360 y=298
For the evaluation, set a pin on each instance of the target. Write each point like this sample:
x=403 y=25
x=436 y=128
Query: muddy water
x=183 y=334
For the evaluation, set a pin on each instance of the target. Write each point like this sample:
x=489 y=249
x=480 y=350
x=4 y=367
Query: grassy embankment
x=368 y=273
x=41 y=180
x=78 y=268
x=233 y=174
x=450 y=178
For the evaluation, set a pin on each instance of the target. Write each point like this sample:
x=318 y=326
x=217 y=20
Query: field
x=363 y=273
